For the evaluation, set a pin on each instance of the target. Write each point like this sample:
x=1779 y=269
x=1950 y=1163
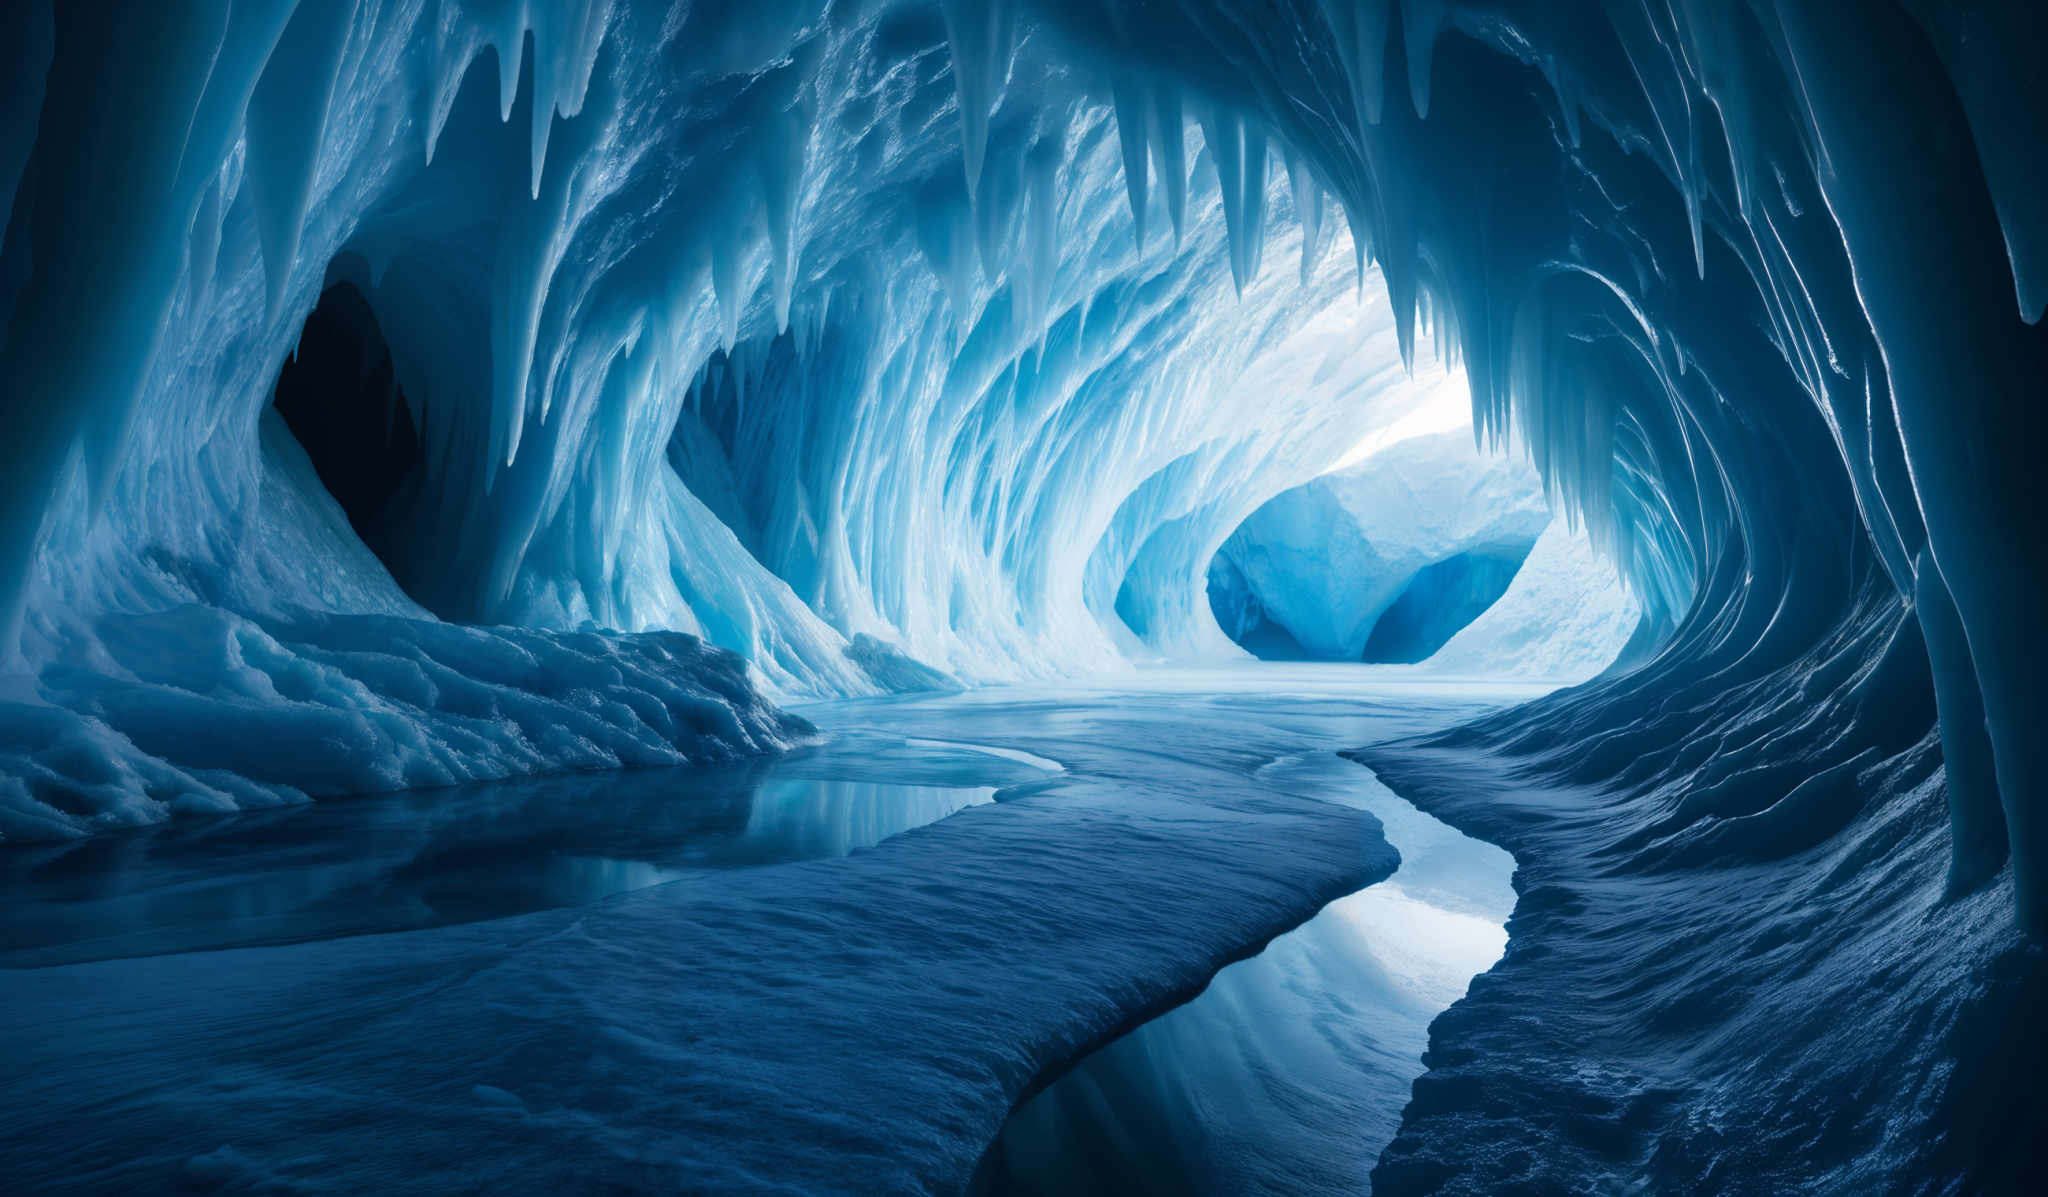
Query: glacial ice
x=869 y=429
x=1564 y=618
x=799 y=1020
x=1325 y=560
x=1325 y=1028
x=1421 y=547
x=780 y=325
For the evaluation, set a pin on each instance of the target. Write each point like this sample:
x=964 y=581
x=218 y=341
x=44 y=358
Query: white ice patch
x=1564 y=618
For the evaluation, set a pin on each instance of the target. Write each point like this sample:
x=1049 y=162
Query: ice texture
x=1326 y=560
x=1758 y=288
x=812 y=330
x=802 y=1021
x=1290 y=1071
x=1563 y=618
x=839 y=235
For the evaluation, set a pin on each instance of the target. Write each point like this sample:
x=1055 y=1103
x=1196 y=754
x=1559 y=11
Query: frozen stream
x=1290 y=1071
x=851 y=962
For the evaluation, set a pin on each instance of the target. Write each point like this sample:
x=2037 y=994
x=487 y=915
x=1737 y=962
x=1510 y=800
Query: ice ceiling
x=923 y=328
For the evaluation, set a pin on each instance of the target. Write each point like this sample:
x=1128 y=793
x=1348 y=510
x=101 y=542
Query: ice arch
x=1328 y=562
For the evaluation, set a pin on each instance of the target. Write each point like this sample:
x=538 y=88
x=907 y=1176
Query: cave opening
x=1430 y=605
x=339 y=395
x=1422 y=548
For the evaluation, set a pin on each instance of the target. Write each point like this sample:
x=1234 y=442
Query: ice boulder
x=1314 y=571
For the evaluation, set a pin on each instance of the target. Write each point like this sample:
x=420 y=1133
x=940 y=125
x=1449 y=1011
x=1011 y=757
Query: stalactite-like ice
x=813 y=325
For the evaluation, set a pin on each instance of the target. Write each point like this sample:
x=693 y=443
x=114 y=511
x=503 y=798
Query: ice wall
x=1665 y=243
x=1675 y=249
x=1564 y=618
x=699 y=320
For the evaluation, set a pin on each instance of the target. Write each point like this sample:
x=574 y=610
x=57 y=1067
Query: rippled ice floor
x=840 y=969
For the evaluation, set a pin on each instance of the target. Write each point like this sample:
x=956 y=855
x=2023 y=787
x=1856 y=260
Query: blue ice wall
x=1021 y=254
x=1326 y=561
x=699 y=329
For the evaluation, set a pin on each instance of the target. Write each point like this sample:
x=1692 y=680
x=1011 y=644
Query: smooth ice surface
x=425 y=858
x=1290 y=1071
x=1416 y=533
x=777 y=1020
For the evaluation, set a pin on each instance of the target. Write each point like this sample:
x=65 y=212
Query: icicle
x=523 y=285
x=1372 y=18
x=725 y=285
x=981 y=34
x=781 y=165
x=1421 y=21
x=286 y=124
x=565 y=45
x=1170 y=156
x=1308 y=209
x=1225 y=136
x=1041 y=230
x=1360 y=247
x=1240 y=155
x=509 y=40
x=543 y=114
x=1133 y=122
x=577 y=57
x=450 y=66
x=1255 y=173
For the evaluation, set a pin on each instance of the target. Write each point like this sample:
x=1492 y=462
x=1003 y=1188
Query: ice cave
x=1023 y=596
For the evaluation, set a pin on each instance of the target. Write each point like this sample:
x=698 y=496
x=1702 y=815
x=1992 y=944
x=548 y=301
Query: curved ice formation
x=957 y=296
x=697 y=323
x=1326 y=561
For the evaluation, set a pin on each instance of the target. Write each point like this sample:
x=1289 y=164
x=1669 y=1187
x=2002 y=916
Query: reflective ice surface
x=1290 y=1072
x=809 y=1019
x=426 y=857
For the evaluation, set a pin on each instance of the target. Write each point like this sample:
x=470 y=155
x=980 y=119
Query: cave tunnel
x=339 y=395
x=1338 y=596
